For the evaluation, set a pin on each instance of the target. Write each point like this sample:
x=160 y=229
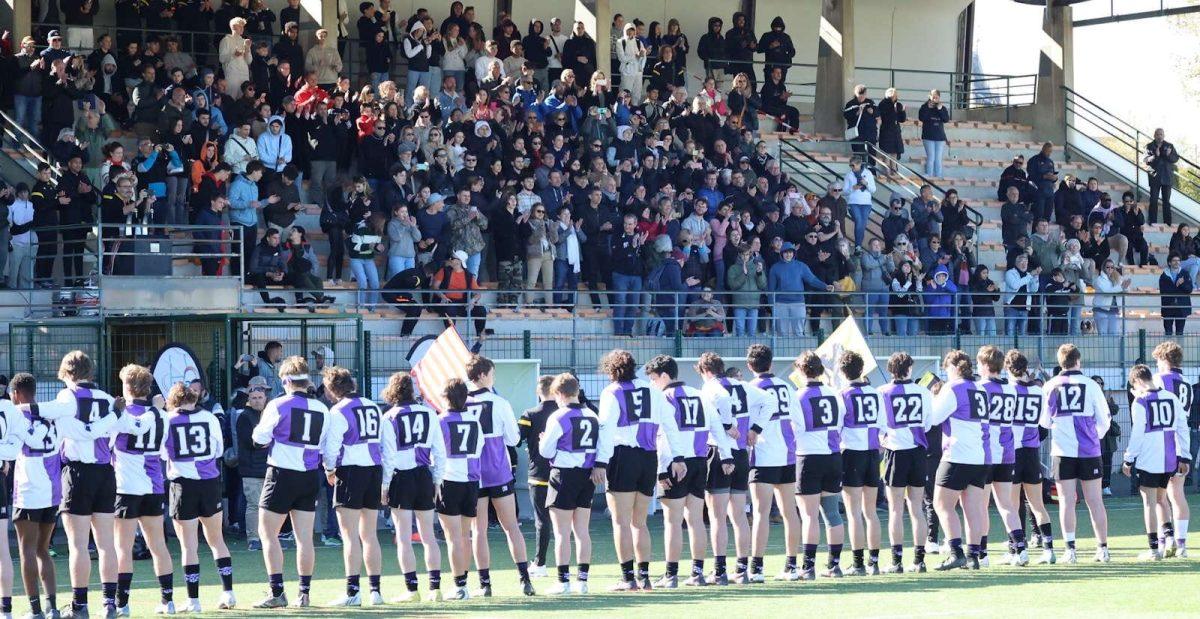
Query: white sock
x=1181 y=527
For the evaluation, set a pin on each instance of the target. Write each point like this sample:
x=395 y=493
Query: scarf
x=573 y=253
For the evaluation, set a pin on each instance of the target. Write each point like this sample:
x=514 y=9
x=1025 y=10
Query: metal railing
x=1126 y=142
x=818 y=175
x=29 y=149
x=910 y=180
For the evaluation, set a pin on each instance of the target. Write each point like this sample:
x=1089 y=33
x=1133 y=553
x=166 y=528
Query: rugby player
x=1028 y=436
x=908 y=409
x=1173 y=509
x=532 y=423
x=860 y=462
x=1158 y=447
x=819 y=466
x=1002 y=408
x=458 y=494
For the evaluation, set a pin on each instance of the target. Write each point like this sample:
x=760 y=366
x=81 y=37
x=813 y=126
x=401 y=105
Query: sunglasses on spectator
x=837 y=191
x=812 y=237
x=902 y=244
x=540 y=212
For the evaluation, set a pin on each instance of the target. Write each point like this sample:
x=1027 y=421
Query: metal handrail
x=907 y=173
x=27 y=142
x=805 y=159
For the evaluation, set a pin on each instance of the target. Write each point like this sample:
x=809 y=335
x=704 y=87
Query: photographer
x=124 y=216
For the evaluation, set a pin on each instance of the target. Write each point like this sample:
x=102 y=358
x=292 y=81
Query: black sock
x=1047 y=540
x=627 y=571
x=897 y=554
x=191 y=575
x=374 y=581
x=225 y=569
x=1019 y=544
x=919 y=552
x=6 y=605
x=643 y=569
x=35 y=605
x=52 y=602
x=983 y=544
x=835 y=554
x=756 y=565
x=410 y=581
x=1153 y=537
x=460 y=580
x=564 y=573
x=873 y=556
x=858 y=557
x=742 y=563
x=435 y=580
x=79 y=597
x=789 y=563
x=166 y=587
x=108 y=592
x=697 y=567
x=1071 y=544
x=352 y=583
x=810 y=556
x=124 y=581
x=956 y=547
x=276 y=581
x=672 y=568
x=485 y=578
x=584 y=568
x=720 y=561
x=1168 y=529
x=305 y=584
x=523 y=570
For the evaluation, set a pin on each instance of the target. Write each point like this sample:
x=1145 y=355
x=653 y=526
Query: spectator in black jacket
x=711 y=49
x=74 y=216
x=1133 y=223
x=267 y=267
x=896 y=222
x=208 y=241
x=934 y=116
x=740 y=47
x=252 y=459
x=288 y=48
x=1175 y=286
x=1161 y=156
x=775 y=96
x=862 y=118
x=778 y=48
x=532 y=424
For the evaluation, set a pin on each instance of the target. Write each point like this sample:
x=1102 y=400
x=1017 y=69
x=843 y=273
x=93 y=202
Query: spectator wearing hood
x=984 y=294
x=631 y=56
x=274 y=148
x=940 y=301
x=740 y=47
x=778 y=49
x=711 y=50
x=418 y=49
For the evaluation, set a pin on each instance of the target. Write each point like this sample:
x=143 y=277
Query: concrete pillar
x=835 y=65
x=597 y=16
x=22 y=12
x=1055 y=70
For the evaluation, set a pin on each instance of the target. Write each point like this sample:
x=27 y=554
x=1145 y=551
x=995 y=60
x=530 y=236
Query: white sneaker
x=1070 y=557
x=582 y=587
x=461 y=593
x=434 y=596
x=984 y=562
x=945 y=549
x=346 y=600
x=1008 y=559
x=1047 y=558
x=406 y=597
x=1182 y=553
x=1151 y=555
x=562 y=588
x=788 y=575
x=932 y=548
x=538 y=571
x=376 y=598
x=1107 y=492
x=1102 y=556
x=757 y=577
x=122 y=611
x=1021 y=559
x=165 y=609
x=226 y=601
x=193 y=606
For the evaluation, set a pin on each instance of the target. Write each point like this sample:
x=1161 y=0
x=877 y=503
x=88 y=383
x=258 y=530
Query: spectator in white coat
x=631 y=57
x=858 y=187
x=1106 y=306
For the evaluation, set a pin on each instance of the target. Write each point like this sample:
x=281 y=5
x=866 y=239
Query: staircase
x=976 y=155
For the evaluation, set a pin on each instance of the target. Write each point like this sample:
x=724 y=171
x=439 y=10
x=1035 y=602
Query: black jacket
x=252 y=459
x=531 y=424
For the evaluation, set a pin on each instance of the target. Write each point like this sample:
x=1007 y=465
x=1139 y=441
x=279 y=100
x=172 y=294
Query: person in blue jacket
x=672 y=290
x=939 y=302
x=787 y=281
x=1175 y=286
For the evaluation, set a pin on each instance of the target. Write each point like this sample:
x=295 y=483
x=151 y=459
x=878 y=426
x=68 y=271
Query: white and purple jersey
x=819 y=424
x=411 y=438
x=463 y=439
x=1160 y=438
x=907 y=410
x=745 y=402
x=1002 y=410
x=572 y=438
x=500 y=431
x=697 y=424
x=864 y=409
x=776 y=424
x=296 y=430
x=10 y=417
x=1173 y=380
x=961 y=409
x=193 y=445
x=633 y=414
x=357 y=420
x=1075 y=411
x=93 y=408
x=38 y=471
x=138 y=457
x=1026 y=432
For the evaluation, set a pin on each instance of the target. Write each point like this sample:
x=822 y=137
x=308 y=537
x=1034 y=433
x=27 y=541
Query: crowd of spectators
x=519 y=160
